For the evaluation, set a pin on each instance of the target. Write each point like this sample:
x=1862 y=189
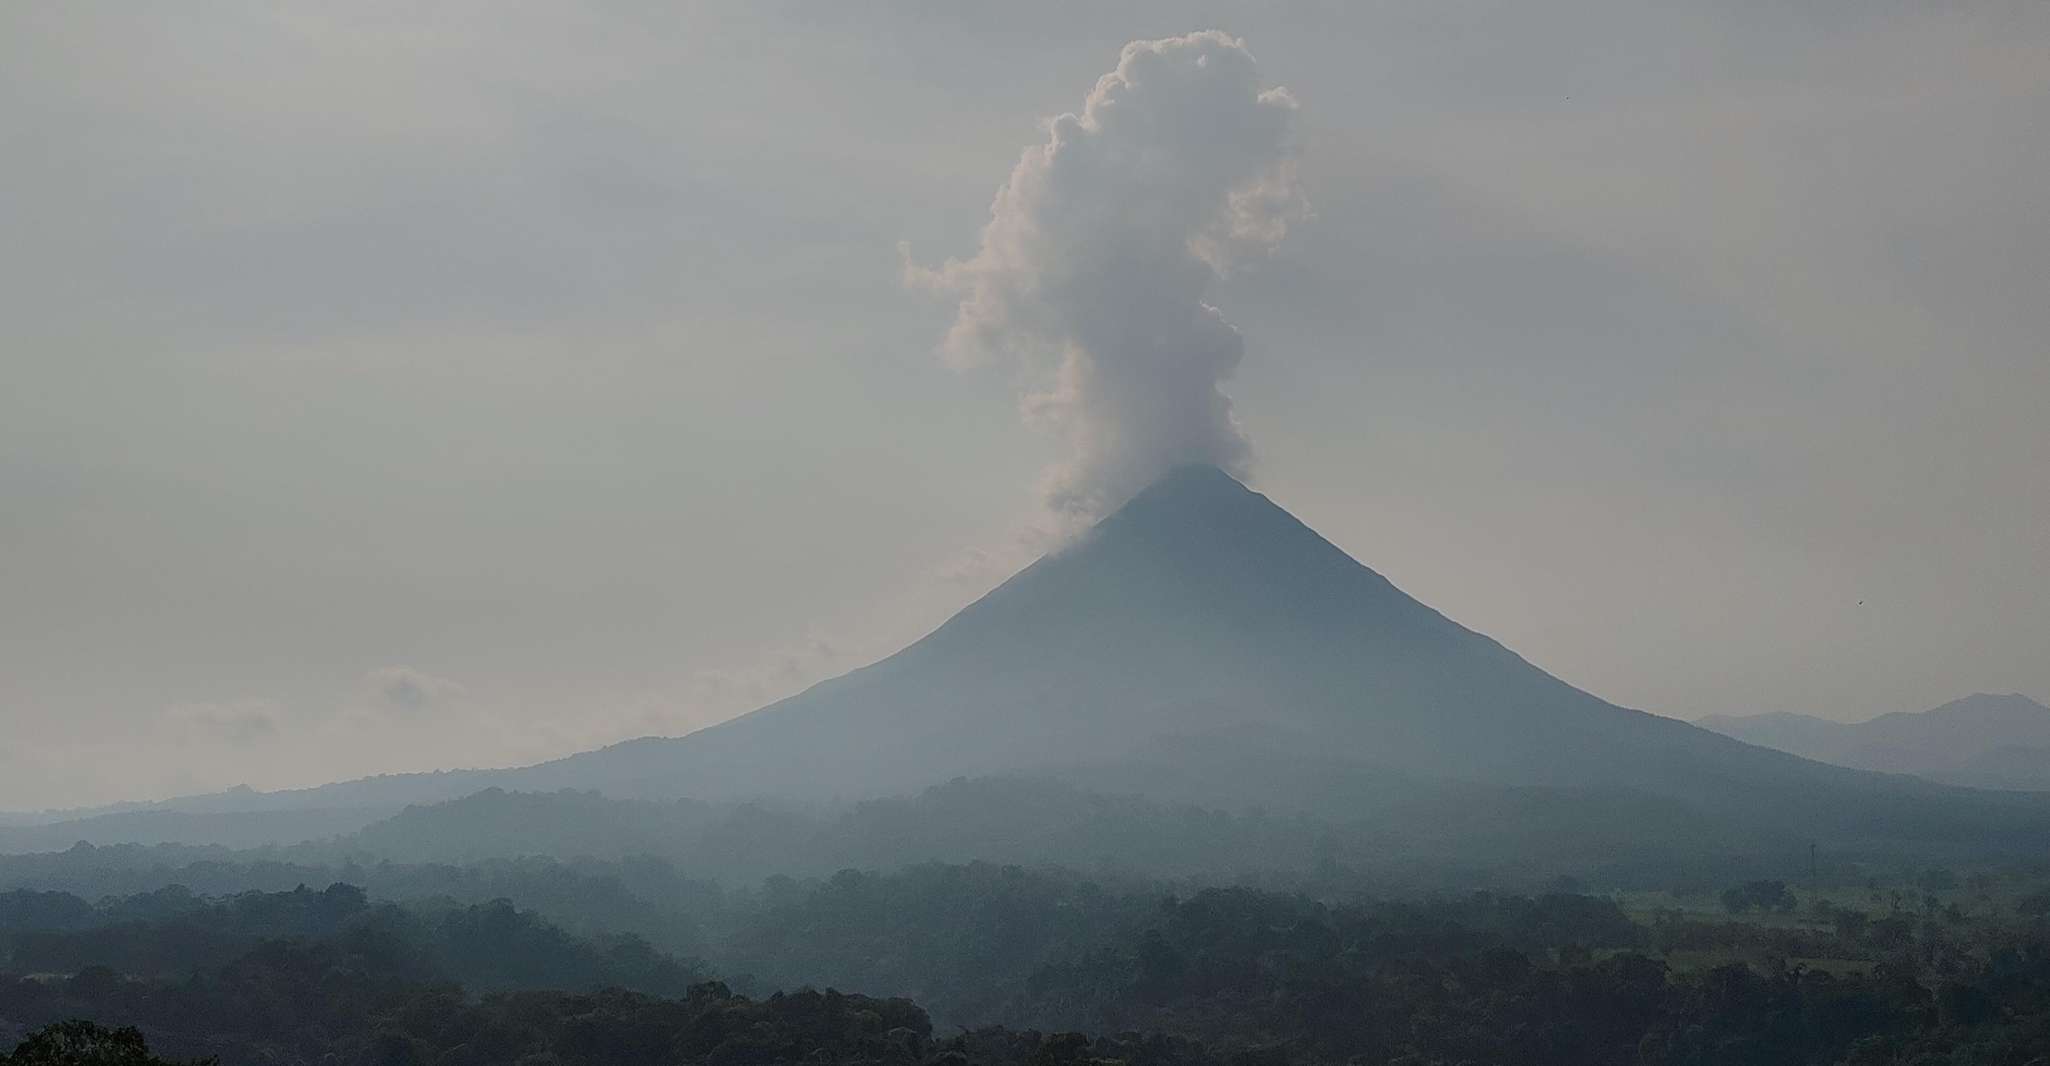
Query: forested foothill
x=633 y=961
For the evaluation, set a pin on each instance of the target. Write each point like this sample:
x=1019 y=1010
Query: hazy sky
x=386 y=390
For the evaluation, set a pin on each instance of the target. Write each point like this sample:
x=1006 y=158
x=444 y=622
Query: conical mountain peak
x=1192 y=498
x=1200 y=608
x=1200 y=507
x=1193 y=490
x=1200 y=642
x=1195 y=481
x=1198 y=542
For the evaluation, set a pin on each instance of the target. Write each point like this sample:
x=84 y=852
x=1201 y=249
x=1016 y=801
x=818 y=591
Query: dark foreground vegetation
x=988 y=964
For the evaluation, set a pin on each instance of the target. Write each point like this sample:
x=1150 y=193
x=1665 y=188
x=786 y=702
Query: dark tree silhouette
x=83 y=1043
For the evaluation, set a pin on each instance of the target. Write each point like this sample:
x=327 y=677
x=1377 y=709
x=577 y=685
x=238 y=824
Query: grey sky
x=383 y=390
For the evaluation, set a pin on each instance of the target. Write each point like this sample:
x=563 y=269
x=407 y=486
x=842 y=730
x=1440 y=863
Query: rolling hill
x=1983 y=740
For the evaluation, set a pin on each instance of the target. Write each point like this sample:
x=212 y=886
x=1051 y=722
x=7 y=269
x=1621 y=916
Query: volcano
x=1198 y=615
x=1202 y=645
x=1202 y=642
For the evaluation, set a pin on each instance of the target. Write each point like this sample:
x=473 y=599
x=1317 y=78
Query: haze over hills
x=1982 y=740
x=1201 y=644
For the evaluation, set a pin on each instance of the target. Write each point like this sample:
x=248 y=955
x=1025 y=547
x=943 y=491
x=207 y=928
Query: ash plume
x=1101 y=248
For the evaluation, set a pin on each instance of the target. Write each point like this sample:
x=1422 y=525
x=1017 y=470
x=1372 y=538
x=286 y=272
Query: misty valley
x=1301 y=950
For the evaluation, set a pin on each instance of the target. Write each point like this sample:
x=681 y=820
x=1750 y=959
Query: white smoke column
x=1101 y=249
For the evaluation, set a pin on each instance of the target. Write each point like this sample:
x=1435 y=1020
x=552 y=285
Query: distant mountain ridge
x=1982 y=741
x=1203 y=645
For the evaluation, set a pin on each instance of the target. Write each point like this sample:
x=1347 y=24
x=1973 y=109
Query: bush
x=1763 y=895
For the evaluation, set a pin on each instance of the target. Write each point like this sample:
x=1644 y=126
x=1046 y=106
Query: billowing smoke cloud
x=1101 y=249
